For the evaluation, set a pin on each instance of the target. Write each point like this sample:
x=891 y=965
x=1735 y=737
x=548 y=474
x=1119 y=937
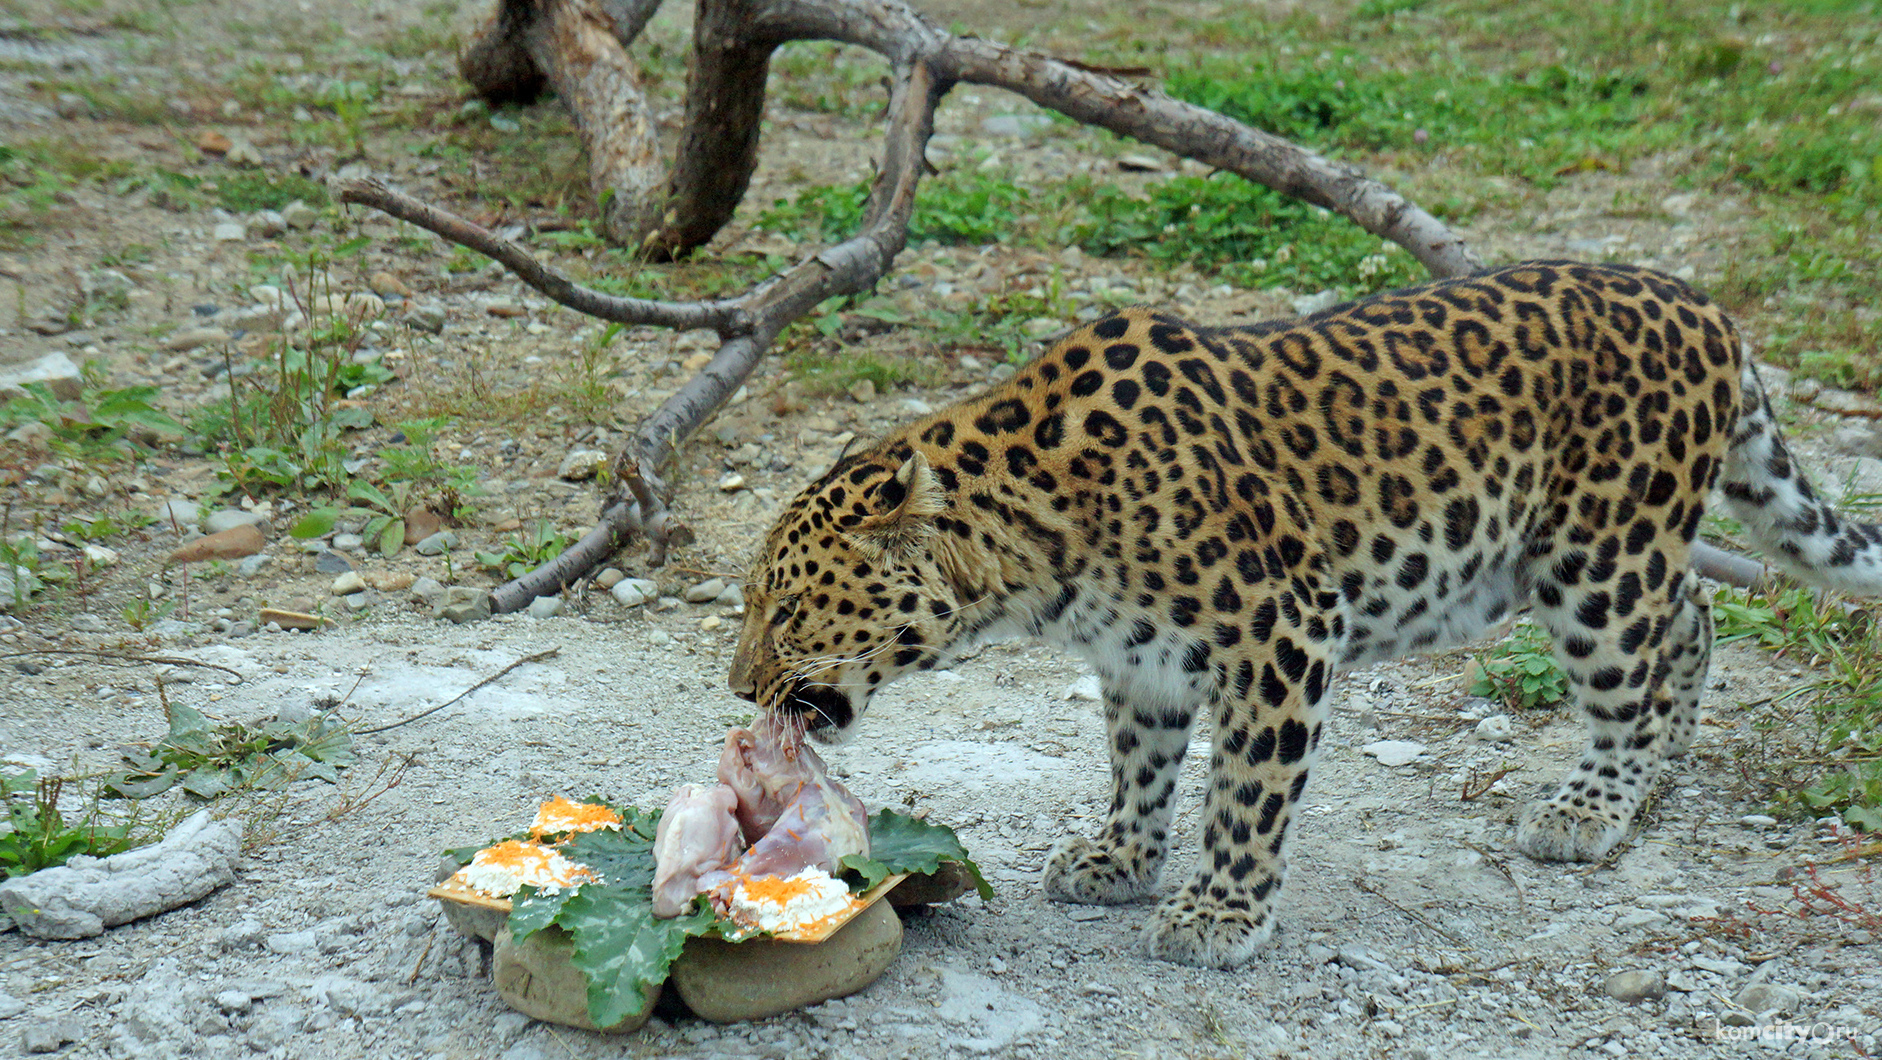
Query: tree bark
x=576 y=48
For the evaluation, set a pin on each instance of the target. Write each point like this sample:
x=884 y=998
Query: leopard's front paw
x=1093 y=873
x=1556 y=831
x=1206 y=933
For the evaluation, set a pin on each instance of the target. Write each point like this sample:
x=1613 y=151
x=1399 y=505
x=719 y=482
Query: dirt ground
x=1410 y=929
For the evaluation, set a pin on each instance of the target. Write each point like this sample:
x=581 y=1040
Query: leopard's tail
x=1802 y=535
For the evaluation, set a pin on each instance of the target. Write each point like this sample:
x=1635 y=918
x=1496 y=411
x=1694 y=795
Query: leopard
x=1222 y=519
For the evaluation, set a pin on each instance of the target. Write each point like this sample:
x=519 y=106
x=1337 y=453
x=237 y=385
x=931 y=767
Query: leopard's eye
x=787 y=609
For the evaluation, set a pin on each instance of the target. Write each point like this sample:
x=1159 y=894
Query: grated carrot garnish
x=560 y=815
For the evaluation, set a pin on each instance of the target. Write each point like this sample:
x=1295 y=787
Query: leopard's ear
x=907 y=506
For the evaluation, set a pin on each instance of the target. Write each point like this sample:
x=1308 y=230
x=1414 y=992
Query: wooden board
x=456 y=890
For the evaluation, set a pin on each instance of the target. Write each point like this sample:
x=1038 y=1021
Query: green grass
x=1819 y=747
x=1484 y=104
x=1221 y=225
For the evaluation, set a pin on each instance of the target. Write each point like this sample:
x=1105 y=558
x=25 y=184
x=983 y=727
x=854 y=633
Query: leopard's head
x=846 y=595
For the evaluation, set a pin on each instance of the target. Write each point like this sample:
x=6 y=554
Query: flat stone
x=230 y=518
x=231 y=232
x=1635 y=986
x=581 y=465
x=1394 y=752
x=233 y=543
x=946 y=883
x=100 y=556
x=188 y=339
x=633 y=592
x=290 y=619
x=55 y=370
x=437 y=544
x=705 y=592
x=348 y=584
x=462 y=604
x=298 y=214
x=545 y=607
x=427 y=591
x=1497 y=728
x=609 y=578
x=726 y=981
x=178 y=511
x=331 y=562
x=1769 y=997
x=348 y=542
x=47 y=1037
x=537 y=978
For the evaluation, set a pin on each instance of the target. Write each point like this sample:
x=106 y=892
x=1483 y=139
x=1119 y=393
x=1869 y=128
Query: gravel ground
x=1410 y=927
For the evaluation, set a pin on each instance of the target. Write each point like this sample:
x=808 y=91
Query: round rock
x=1636 y=986
x=727 y=981
x=537 y=978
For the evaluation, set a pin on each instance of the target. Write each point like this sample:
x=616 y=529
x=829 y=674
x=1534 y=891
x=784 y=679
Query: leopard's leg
x=1688 y=652
x=1271 y=704
x=1147 y=742
x=1618 y=640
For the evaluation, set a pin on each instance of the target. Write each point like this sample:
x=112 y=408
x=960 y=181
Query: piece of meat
x=774 y=793
x=820 y=826
x=762 y=764
x=698 y=838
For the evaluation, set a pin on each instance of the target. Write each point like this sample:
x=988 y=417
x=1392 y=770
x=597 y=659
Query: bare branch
x=721 y=315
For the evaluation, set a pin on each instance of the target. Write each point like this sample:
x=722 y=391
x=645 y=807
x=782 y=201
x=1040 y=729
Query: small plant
x=520 y=556
x=98 y=424
x=106 y=526
x=143 y=612
x=34 y=835
x=1521 y=672
x=209 y=761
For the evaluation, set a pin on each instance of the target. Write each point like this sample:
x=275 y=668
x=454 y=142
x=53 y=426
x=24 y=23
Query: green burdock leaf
x=141 y=783
x=189 y=731
x=532 y=911
x=207 y=782
x=900 y=843
x=622 y=948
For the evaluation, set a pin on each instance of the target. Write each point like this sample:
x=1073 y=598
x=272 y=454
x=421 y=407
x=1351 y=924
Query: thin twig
x=1419 y=917
x=538 y=657
x=167 y=660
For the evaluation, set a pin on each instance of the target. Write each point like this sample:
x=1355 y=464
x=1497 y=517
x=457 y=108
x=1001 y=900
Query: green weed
x=1521 y=673
x=522 y=555
x=35 y=835
x=1820 y=742
x=208 y=761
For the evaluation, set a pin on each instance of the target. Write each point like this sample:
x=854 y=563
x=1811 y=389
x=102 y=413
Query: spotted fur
x=1222 y=519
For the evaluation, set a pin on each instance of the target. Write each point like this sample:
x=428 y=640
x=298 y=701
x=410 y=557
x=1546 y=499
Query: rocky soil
x=1411 y=928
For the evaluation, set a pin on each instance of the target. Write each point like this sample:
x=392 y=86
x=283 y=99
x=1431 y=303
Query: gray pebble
x=230 y=518
x=10 y=1006
x=253 y=565
x=47 y=1037
x=1769 y=997
x=437 y=544
x=427 y=591
x=633 y=592
x=545 y=607
x=234 y=1001
x=87 y=623
x=1634 y=986
x=705 y=592
x=348 y=542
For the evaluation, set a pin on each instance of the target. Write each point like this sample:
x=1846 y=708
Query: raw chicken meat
x=697 y=840
x=774 y=793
